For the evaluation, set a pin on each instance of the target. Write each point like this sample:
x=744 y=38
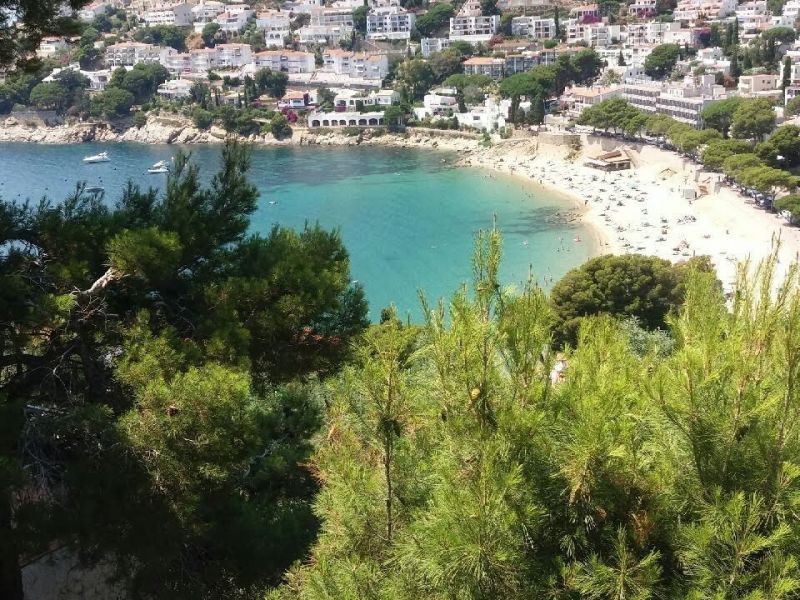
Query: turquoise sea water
x=407 y=217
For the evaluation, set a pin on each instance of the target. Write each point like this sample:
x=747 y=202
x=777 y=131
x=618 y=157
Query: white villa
x=490 y=116
x=350 y=100
x=430 y=45
x=169 y=14
x=232 y=22
x=175 y=88
x=51 y=46
x=276 y=26
x=436 y=103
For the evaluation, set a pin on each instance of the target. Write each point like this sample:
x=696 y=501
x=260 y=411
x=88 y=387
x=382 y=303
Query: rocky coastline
x=171 y=129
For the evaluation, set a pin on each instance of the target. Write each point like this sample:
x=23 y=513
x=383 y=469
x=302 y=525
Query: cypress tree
x=735 y=71
x=557 y=20
x=537 y=109
x=787 y=73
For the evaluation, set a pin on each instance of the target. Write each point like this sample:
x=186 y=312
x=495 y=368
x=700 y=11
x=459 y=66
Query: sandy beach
x=643 y=210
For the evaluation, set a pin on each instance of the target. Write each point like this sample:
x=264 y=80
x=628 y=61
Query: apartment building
x=323 y=34
x=484 y=65
x=178 y=15
x=631 y=55
x=232 y=55
x=576 y=99
x=521 y=62
x=595 y=35
x=353 y=64
x=652 y=32
x=537 y=28
x=180 y=65
x=390 y=23
x=276 y=26
x=707 y=10
x=197 y=63
x=753 y=18
x=430 y=45
x=470 y=26
x=286 y=61
x=790 y=14
x=332 y=17
x=682 y=101
x=128 y=54
x=328 y=25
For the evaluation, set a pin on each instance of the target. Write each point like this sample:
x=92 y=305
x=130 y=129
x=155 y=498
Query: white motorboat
x=97 y=158
x=159 y=167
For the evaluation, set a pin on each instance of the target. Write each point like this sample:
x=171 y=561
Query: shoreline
x=641 y=210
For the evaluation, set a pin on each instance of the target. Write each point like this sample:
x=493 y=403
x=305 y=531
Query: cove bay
x=407 y=217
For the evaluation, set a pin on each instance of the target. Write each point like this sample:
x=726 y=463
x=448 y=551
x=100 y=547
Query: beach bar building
x=615 y=160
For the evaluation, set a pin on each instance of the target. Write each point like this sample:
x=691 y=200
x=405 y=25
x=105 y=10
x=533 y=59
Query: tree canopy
x=435 y=18
x=753 y=119
x=660 y=62
x=644 y=287
x=717 y=151
x=466 y=459
x=782 y=148
x=23 y=24
x=157 y=411
x=719 y=114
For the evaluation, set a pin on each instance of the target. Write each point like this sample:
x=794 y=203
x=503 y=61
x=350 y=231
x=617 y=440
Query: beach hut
x=614 y=160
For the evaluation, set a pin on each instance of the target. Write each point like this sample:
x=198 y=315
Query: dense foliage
x=152 y=393
x=457 y=461
x=645 y=287
x=23 y=24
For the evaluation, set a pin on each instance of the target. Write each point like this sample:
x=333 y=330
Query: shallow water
x=407 y=217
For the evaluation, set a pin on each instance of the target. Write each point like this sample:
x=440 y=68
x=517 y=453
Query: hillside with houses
x=440 y=64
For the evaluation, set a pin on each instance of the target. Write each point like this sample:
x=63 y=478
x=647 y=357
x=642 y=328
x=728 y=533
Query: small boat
x=159 y=167
x=95 y=190
x=97 y=158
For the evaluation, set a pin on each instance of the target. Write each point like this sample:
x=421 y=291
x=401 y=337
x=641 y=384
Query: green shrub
x=202 y=118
